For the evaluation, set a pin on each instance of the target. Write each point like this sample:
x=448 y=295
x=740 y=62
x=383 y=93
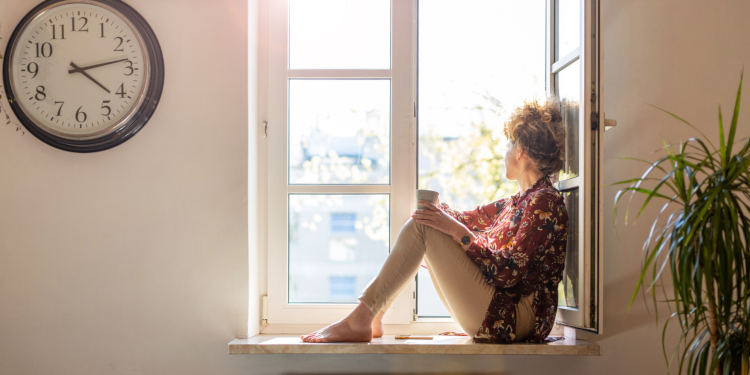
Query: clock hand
x=77 y=69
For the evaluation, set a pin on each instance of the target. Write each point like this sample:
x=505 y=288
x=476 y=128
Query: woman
x=496 y=268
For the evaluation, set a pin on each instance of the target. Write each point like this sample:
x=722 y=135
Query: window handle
x=609 y=123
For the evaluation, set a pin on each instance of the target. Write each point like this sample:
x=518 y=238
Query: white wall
x=134 y=260
x=145 y=272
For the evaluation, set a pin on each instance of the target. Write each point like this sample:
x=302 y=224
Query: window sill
x=293 y=344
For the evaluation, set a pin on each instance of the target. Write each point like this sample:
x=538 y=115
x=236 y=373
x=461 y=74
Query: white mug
x=427 y=195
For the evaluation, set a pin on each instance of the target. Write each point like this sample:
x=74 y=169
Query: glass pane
x=429 y=303
x=338 y=34
x=568 y=35
x=337 y=244
x=339 y=131
x=569 y=91
x=567 y=293
x=472 y=75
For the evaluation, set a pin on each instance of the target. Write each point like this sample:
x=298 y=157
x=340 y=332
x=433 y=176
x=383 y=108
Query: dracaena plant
x=702 y=232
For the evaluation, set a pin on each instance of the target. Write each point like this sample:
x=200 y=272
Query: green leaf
x=641 y=160
x=722 y=145
x=629 y=181
x=640 y=279
x=735 y=116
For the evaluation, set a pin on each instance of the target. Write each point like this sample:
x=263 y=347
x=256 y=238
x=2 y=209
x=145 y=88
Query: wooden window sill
x=388 y=344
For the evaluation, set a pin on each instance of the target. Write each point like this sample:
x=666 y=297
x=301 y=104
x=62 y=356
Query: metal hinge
x=415 y=109
x=265 y=129
x=594 y=120
x=264 y=310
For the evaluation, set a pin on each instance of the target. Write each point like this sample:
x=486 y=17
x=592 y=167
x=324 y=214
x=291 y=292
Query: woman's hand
x=436 y=218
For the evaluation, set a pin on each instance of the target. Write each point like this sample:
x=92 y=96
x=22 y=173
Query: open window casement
x=573 y=67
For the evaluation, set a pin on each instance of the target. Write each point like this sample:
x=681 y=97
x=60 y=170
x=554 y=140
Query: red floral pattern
x=519 y=245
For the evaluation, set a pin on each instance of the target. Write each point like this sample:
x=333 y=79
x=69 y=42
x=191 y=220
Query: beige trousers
x=457 y=279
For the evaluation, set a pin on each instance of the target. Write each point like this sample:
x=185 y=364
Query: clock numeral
x=62 y=31
x=41 y=93
x=121 y=91
x=43 y=50
x=83 y=27
x=119 y=45
x=81 y=115
x=32 y=68
x=130 y=67
x=101 y=27
x=106 y=108
x=59 y=109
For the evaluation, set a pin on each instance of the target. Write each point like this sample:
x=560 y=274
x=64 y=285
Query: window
x=368 y=100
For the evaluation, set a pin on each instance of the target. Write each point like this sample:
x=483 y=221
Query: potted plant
x=705 y=241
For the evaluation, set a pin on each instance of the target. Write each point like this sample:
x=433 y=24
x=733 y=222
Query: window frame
x=402 y=175
x=590 y=263
x=273 y=93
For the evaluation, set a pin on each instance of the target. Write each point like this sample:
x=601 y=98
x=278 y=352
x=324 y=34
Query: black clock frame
x=139 y=118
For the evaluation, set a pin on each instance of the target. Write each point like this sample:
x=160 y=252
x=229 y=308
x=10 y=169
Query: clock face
x=81 y=70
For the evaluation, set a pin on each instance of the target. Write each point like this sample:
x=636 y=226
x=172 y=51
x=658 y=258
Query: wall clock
x=83 y=75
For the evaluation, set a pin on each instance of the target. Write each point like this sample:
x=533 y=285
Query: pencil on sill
x=414 y=337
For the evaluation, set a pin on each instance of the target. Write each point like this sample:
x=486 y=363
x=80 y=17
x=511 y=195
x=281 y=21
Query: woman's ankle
x=362 y=313
x=379 y=316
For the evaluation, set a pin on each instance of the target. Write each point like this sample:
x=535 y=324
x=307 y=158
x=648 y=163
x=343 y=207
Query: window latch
x=264 y=309
x=609 y=123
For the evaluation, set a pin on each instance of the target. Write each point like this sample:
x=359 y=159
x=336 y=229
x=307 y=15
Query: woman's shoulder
x=548 y=194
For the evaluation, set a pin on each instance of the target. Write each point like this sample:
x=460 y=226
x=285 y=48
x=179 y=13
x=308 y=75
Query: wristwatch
x=466 y=239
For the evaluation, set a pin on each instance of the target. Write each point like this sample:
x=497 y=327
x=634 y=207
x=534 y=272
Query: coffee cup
x=427 y=195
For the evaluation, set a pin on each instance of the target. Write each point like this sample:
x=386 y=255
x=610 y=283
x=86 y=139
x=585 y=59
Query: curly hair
x=538 y=129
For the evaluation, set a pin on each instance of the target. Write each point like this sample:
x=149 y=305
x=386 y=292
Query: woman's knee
x=414 y=227
x=412 y=224
x=423 y=229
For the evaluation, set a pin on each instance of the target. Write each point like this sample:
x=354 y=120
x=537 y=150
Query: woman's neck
x=528 y=179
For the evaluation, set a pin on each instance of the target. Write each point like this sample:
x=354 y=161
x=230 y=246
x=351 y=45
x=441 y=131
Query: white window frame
x=590 y=229
x=281 y=317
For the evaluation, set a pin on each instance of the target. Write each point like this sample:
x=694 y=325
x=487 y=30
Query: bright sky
x=466 y=48
x=482 y=46
x=493 y=46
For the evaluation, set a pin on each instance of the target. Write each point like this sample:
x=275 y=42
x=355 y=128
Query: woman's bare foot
x=355 y=327
x=377 y=325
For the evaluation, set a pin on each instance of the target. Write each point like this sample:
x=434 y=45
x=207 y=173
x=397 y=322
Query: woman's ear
x=523 y=158
x=520 y=152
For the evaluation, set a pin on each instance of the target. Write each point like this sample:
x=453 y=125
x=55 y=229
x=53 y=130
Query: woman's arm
x=478 y=219
x=543 y=219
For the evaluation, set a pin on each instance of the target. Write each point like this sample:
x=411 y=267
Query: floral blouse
x=519 y=245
